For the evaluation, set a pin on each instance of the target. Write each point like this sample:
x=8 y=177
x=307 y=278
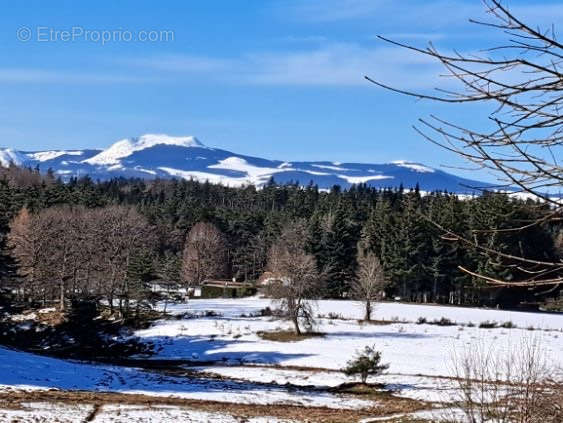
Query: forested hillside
x=106 y=240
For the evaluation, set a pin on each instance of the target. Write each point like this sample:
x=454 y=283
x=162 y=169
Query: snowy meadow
x=215 y=351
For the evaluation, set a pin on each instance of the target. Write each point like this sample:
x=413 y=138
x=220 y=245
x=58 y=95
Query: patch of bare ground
x=378 y=393
x=377 y=322
x=387 y=405
x=92 y=415
x=288 y=336
x=9 y=403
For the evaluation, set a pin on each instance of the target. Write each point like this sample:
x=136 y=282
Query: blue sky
x=278 y=79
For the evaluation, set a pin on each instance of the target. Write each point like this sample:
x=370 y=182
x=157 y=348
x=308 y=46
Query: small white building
x=194 y=291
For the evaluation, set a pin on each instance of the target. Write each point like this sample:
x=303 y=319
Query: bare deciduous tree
x=298 y=280
x=119 y=232
x=370 y=280
x=60 y=227
x=27 y=247
x=204 y=254
x=521 y=140
x=64 y=251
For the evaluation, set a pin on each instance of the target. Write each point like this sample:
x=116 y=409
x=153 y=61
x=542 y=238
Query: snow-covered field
x=408 y=347
x=233 y=364
x=113 y=413
x=31 y=372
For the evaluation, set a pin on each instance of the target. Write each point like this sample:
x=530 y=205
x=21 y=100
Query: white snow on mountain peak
x=128 y=146
x=9 y=155
x=43 y=156
x=255 y=174
x=413 y=166
x=153 y=156
x=207 y=177
x=363 y=179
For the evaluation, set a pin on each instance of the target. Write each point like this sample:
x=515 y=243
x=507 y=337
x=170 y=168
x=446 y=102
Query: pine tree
x=333 y=243
x=409 y=249
x=7 y=264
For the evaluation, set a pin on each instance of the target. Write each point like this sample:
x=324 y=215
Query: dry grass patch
x=377 y=392
x=240 y=411
x=376 y=322
x=288 y=336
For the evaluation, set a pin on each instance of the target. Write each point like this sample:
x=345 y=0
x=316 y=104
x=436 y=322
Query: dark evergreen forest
x=420 y=261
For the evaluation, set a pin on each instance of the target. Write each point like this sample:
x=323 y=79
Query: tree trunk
x=368 y=311
x=166 y=300
x=62 y=295
x=296 y=324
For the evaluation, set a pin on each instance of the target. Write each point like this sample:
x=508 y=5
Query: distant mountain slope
x=162 y=156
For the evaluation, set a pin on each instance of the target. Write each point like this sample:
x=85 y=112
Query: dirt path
x=386 y=406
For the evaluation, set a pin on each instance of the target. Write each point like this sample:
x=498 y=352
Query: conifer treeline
x=420 y=262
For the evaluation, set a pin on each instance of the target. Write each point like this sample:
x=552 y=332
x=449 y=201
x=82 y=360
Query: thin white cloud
x=340 y=65
x=328 y=65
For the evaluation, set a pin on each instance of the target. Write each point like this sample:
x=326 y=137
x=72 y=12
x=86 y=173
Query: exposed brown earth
x=387 y=405
x=288 y=336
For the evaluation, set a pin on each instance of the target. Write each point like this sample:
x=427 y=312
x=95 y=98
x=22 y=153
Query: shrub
x=266 y=312
x=494 y=385
x=487 y=325
x=508 y=325
x=421 y=321
x=444 y=321
x=366 y=362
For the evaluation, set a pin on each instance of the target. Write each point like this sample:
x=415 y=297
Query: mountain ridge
x=153 y=156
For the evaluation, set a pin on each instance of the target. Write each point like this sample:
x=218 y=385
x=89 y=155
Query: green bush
x=365 y=363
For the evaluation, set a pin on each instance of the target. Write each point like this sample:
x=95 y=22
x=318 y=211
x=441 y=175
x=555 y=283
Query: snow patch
x=256 y=175
x=126 y=147
x=149 y=171
x=9 y=155
x=43 y=156
x=241 y=165
x=413 y=166
x=363 y=179
x=206 y=177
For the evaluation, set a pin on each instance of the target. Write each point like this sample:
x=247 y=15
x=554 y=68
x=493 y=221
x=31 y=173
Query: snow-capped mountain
x=161 y=156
